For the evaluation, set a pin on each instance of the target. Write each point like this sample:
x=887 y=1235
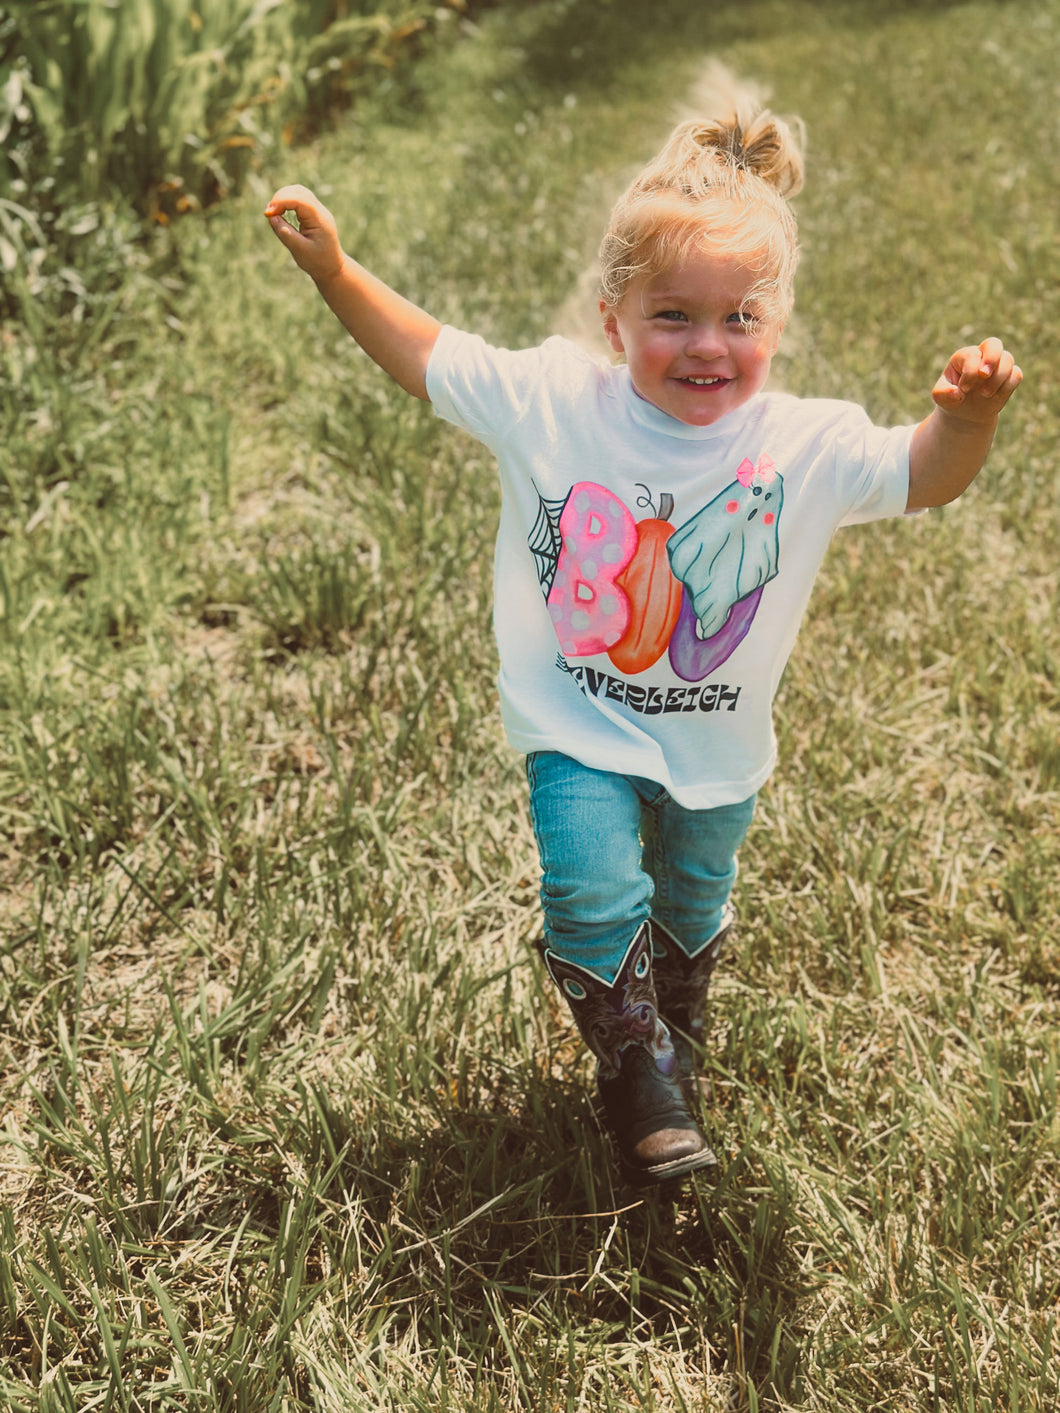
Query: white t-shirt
x=626 y=644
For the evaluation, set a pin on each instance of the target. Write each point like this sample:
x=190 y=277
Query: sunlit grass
x=290 y=1121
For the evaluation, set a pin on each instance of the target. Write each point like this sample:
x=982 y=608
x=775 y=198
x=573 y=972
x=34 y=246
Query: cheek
x=649 y=353
x=758 y=363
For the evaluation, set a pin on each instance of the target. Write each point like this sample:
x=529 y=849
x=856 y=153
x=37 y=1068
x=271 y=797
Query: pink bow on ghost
x=766 y=470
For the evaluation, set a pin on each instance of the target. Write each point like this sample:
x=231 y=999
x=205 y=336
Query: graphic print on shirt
x=725 y=555
x=635 y=589
x=655 y=596
x=597 y=539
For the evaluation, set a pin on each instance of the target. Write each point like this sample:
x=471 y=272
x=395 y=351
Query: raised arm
x=397 y=334
x=950 y=446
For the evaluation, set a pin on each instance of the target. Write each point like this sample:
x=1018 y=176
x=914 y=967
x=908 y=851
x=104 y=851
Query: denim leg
x=691 y=856
x=594 y=890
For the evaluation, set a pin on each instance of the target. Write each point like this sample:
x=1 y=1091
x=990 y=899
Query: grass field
x=290 y=1120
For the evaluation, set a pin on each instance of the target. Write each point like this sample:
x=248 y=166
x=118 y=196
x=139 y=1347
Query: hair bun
x=749 y=139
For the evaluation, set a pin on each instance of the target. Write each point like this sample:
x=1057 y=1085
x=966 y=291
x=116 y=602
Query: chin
x=705 y=417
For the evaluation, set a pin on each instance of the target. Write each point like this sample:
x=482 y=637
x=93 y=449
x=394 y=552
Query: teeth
x=703 y=382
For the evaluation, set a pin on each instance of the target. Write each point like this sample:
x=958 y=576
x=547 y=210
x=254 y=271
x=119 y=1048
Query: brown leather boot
x=681 y=985
x=637 y=1071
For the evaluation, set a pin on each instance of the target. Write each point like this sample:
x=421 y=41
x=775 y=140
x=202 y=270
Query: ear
x=610 y=317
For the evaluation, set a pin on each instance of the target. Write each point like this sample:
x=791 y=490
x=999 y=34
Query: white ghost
x=730 y=547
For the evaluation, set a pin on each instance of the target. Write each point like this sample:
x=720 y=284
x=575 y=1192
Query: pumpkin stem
x=666 y=505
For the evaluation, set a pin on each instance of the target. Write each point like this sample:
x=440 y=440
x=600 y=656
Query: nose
x=705 y=340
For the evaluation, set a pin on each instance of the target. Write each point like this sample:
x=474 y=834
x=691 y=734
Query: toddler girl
x=663 y=520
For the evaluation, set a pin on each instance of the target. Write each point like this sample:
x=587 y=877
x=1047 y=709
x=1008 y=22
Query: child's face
x=690 y=350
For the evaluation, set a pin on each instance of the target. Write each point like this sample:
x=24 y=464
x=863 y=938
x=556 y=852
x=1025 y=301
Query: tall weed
x=119 y=115
x=166 y=101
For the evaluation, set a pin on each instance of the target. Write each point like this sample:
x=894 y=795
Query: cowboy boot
x=681 y=985
x=637 y=1075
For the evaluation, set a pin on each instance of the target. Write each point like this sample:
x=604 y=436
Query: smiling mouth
x=703 y=382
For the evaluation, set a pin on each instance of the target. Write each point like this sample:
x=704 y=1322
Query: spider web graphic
x=545 y=540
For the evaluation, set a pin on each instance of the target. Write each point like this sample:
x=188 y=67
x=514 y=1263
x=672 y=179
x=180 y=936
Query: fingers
x=311 y=215
x=298 y=199
x=294 y=237
x=281 y=225
x=984 y=368
x=311 y=237
x=979 y=378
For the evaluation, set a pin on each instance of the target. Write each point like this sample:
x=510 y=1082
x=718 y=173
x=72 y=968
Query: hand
x=977 y=382
x=949 y=447
x=314 y=242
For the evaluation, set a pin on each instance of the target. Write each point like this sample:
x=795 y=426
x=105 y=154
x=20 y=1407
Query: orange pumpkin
x=653 y=592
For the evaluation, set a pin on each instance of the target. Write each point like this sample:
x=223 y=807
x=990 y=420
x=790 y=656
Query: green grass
x=290 y=1121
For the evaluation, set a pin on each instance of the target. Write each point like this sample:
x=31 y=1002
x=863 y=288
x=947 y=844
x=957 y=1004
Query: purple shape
x=694 y=658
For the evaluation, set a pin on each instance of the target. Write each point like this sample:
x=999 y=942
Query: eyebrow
x=656 y=303
x=676 y=296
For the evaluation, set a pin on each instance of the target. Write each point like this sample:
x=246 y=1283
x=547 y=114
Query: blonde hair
x=721 y=185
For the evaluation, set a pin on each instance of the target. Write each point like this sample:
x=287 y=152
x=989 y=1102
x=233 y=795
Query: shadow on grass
x=491 y=1212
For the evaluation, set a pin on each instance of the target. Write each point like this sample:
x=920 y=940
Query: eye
x=574 y=989
x=670 y=316
x=742 y=319
x=642 y=966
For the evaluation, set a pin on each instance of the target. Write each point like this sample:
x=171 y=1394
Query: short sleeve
x=487 y=390
x=873 y=463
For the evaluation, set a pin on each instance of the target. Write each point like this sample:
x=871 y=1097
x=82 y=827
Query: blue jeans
x=617 y=849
